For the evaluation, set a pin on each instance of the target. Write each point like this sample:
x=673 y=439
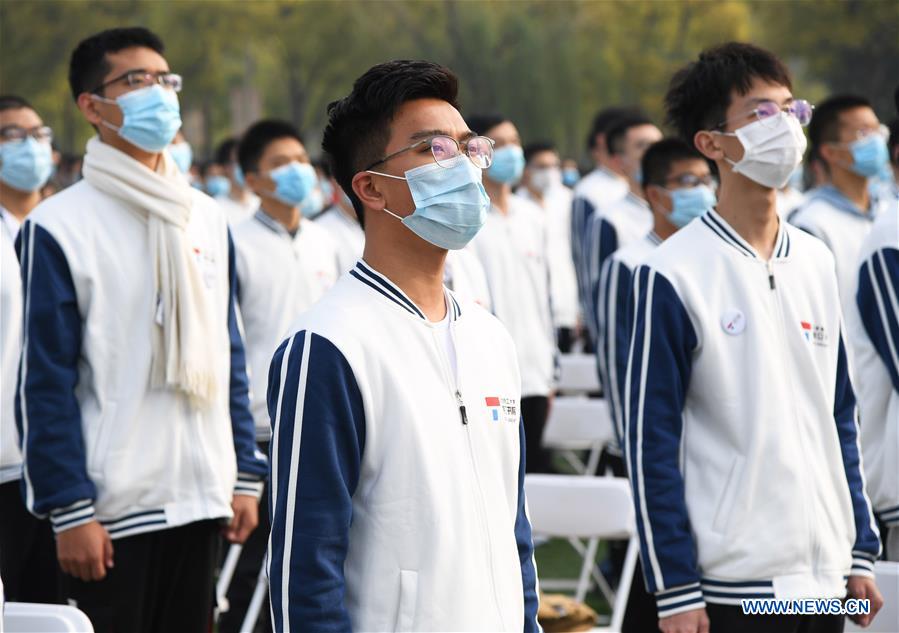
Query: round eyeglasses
x=446 y=150
x=16 y=134
x=766 y=112
x=141 y=79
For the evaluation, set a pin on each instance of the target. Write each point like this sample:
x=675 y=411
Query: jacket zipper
x=810 y=504
x=456 y=391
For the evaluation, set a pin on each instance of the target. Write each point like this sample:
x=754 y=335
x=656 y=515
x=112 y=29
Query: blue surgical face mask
x=313 y=205
x=450 y=203
x=238 y=176
x=293 y=182
x=218 y=186
x=26 y=165
x=151 y=117
x=507 y=166
x=690 y=203
x=570 y=177
x=869 y=155
x=183 y=155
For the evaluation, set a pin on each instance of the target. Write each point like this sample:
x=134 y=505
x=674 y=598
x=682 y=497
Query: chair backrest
x=887 y=619
x=583 y=507
x=27 y=617
x=577 y=422
x=578 y=373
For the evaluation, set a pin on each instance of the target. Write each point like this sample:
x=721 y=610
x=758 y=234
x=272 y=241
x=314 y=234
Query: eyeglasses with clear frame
x=766 y=111
x=446 y=151
x=137 y=79
x=17 y=134
x=692 y=180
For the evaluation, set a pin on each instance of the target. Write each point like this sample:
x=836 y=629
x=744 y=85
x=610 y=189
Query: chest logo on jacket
x=733 y=322
x=206 y=262
x=815 y=334
x=502 y=409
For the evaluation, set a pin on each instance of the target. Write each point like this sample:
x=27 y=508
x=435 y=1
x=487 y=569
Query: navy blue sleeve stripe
x=243 y=427
x=526 y=545
x=867 y=538
x=659 y=367
x=315 y=471
x=47 y=412
x=878 y=286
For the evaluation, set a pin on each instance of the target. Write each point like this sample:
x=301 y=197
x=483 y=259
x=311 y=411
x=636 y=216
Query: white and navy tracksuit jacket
x=98 y=443
x=10 y=347
x=615 y=307
x=596 y=190
x=873 y=326
x=831 y=217
x=279 y=276
x=742 y=441
x=613 y=227
x=397 y=487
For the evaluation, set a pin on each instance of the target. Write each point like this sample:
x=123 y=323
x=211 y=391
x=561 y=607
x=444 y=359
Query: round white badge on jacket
x=733 y=322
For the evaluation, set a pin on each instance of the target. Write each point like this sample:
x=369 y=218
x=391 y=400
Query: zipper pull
x=771 y=275
x=461 y=408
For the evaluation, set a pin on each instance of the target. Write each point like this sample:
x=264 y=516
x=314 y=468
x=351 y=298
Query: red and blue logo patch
x=493 y=406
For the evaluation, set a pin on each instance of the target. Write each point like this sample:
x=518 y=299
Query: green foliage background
x=547 y=64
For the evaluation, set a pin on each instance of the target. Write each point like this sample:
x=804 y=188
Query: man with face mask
x=285 y=263
x=27 y=564
x=542 y=185
x=397 y=450
x=618 y=224
x=740 y=431
x=138 y=440
x=512 y=248
x=851 y=145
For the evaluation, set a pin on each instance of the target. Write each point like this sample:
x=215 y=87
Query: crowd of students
x=346 y=364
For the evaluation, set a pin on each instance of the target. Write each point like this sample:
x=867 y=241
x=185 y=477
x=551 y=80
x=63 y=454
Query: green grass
x=557 y=559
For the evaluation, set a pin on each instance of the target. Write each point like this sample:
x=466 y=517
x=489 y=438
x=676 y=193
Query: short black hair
x=657 y=161
x=358 y=128
x=259 y=136
x=483 y=122
x=605 y=119
x=700 y=92
x=224 y=152
x=825 y=123
x=616 y=135
x=893 y=143
x=535 y=148
x=88 y=65
x=13 y=102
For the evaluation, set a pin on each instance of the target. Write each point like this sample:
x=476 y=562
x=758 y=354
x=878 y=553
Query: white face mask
x=545 y=178
x=772 y=148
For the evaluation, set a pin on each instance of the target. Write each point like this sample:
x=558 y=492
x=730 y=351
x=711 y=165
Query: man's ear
x=828 y=153
x=708 y=145
x=365 y=189
x=655 y=197
x=88 y=107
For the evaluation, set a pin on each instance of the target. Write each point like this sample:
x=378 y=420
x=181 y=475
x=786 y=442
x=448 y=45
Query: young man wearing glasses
x=851 y=144
x=741 y=435
x=397 y=453
x=138 y=441
x=27 y=563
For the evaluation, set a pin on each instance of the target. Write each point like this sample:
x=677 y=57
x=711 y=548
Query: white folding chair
x=28 y=617
x=594 y=508
x=224 y=581
x=577 y=374
x=578 y=423
x=887 y=620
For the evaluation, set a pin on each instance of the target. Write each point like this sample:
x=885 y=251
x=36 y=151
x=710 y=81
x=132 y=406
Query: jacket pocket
x=405 y=614
x=727 y=500
x=100 y=446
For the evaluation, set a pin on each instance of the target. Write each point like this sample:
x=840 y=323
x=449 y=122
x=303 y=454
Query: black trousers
x=534 y=411
x=565 y=339
x=27 y=552
x=246 y=575
x=161 y=581
x=731 y=619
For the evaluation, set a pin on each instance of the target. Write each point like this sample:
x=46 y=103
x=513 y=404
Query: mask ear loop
x=385 y=209
x=108 y=102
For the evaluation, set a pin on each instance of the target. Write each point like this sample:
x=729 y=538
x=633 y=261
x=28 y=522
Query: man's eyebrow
x=429 y=133
x=769 y=100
